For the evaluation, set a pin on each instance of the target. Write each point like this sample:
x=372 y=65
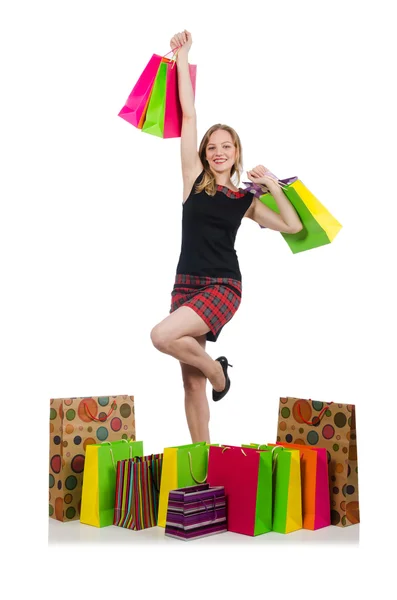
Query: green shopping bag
x=183 y=466
x=99 y=479
x=287 y=490
x=154 y=122
x=319 y=226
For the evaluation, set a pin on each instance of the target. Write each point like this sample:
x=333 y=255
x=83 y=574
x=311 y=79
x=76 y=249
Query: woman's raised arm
x=191 y=164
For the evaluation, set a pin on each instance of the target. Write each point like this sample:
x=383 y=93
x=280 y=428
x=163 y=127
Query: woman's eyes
x=212 y=147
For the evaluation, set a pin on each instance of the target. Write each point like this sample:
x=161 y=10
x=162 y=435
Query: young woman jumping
x=207 y=288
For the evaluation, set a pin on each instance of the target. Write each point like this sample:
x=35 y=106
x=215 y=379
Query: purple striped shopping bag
x=196 y=511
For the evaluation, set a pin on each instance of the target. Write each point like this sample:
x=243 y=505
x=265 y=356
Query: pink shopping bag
x=173 y=109
x=137 y=101
x=246 y=475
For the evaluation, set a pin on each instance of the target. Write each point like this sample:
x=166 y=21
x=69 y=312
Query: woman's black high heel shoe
x=219 y=395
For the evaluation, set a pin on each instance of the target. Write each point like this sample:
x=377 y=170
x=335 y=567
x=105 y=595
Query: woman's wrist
x=271 y=185
x=181 y=56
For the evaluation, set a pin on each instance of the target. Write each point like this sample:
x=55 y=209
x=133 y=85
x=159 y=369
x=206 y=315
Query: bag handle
x=111 y=453
x=191 y=470
x=228 y=448
x=274 y=457
x=173 y=52
x=148 y=459
x=260 y=446
x=174 y=55
x=130 y=447
x=153 y=479
x=213 y=508
x=320 y=416
x=113 y=408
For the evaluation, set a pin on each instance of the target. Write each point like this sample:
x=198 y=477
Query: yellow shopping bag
x=99 y=481
x=183 y=466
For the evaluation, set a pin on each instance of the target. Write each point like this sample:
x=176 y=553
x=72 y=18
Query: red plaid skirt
x=214 y=299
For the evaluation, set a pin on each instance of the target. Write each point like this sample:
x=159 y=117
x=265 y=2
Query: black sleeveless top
x=209 y=228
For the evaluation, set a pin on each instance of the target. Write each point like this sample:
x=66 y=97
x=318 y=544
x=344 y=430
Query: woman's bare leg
x=176 y=335
x=196 y=403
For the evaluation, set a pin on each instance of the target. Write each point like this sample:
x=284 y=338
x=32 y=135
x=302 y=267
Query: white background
x=90 y=238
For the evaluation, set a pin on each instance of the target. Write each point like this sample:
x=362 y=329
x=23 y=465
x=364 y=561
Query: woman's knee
x=194 y=383
x=159 y=339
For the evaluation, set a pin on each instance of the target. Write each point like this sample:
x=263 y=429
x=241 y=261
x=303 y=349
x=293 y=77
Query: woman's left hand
x=262 y=176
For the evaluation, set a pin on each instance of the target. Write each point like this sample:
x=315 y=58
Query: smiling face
x=220 y=152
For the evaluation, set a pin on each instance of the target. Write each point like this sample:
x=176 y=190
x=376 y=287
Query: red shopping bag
x=246 y=475
x=173 y=109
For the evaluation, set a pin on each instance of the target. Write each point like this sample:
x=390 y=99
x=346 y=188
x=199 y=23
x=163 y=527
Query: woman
x=207 y=290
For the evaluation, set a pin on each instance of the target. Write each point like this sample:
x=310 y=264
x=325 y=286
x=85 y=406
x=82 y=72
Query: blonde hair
x=208 y=182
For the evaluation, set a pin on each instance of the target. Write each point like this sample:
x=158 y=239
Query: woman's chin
x=223 y=168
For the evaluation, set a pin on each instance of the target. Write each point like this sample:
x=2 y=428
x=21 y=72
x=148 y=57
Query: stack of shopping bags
x=308 y=479
x=100 y=479
x=246 y=475
x=261 y=486
x=121 y=486
x=332 y=427
x=76 y=424
x=183 y=466
x=153 y=105
x=300 y=487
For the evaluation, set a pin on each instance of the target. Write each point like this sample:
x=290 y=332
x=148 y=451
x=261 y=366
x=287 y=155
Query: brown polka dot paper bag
x=333 y=427
x=76 y=423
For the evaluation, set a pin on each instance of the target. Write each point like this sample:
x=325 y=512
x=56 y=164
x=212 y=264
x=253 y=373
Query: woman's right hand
x=181 y=41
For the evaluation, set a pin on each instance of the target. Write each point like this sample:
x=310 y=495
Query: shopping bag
x=316 y=509
x=183 y=466
x=196 y=511
x=137 y=492
x=99 y=481
x=164 y=112
x=135 y=107
x=246 y=475
x=333 y=427
x=173 y=109
x=76 y=423
x=287 y=491
x=319 y=226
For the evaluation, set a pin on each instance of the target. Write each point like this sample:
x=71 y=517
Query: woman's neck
x=224 y=180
